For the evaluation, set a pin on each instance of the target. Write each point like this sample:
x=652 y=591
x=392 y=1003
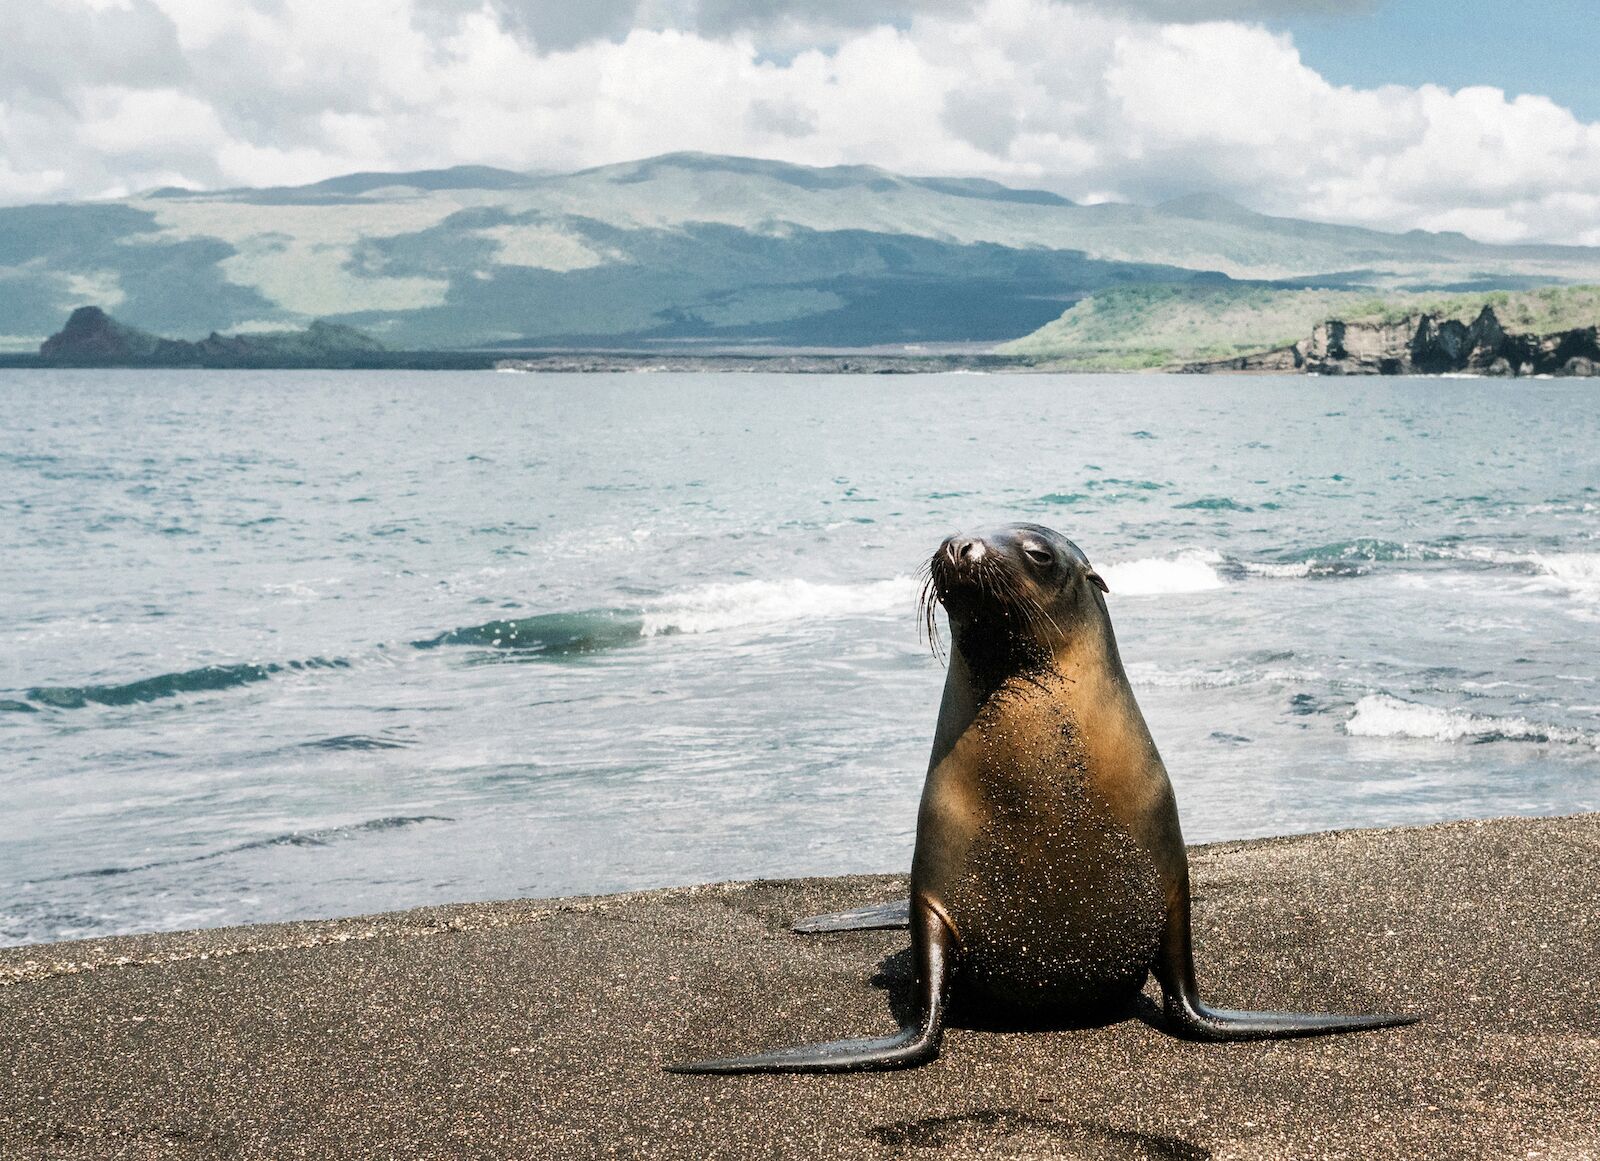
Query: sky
x=1469 y=115
x=1539 y=47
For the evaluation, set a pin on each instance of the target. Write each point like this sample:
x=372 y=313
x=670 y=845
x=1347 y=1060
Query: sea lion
x=1050 y=876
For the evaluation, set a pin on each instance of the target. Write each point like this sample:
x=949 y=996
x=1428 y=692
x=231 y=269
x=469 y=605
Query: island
x=92 y=338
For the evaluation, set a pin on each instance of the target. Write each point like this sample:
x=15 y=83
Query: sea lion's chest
x=1054 y=901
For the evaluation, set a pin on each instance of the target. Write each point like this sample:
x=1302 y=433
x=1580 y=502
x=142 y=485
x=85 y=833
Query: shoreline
x=584 y=362
x=541 y=1025
x=610 y=363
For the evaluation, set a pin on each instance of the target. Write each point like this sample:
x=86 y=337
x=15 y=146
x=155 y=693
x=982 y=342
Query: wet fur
x=1050 y=874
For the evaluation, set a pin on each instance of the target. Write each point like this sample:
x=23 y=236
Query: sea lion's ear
x=1099 y=582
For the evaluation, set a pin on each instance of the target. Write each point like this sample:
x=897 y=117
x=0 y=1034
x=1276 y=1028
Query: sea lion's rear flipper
x=1194 y=1021
x=879 y=917
x=933 y=944
x=1189 y=1018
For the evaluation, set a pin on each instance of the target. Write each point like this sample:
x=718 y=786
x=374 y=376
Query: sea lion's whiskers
x=928 y=608
x=1038 y=607
x=928 y=619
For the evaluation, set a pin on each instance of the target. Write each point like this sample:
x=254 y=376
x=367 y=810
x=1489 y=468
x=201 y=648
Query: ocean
x=277 y=645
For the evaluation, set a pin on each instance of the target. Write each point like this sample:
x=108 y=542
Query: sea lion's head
x=1015 y=594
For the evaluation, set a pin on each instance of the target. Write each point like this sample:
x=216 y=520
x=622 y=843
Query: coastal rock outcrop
x=1424 y=344
x=1427 y=345
x=92 y=338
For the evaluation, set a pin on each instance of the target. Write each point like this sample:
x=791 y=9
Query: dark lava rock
x=92 y=338
x=1278 y=361
x=1426 y=345
x=1423 y=345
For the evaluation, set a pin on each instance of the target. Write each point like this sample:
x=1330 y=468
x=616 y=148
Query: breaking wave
x=553 y=634
x=745 y=603
x=1572 y=574
x=1342 y=558
x=708 y=609
x=1193 y=571
x=206 y=679
x=1578 y=573
x=1380 y=715
x=1199 y=570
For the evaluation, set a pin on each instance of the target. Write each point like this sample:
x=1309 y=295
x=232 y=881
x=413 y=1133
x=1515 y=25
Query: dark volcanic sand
x=537 y=1028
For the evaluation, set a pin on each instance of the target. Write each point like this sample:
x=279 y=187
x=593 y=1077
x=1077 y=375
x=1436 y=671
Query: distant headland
x=1425 y=344
x=1549 y=330
x=92 y=338
x=1232 y=330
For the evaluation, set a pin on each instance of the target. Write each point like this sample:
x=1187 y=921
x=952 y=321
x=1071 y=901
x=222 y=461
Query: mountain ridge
x=682 y=248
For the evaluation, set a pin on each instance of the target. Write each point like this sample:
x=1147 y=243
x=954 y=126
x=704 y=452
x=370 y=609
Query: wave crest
x=745 y=603
x=1191 y=571
x=708 y=609
x=552 y=634
x=206 y=679
x=1380 y=715
x=1576 y=572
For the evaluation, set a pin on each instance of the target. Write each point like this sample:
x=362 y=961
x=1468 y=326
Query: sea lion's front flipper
x=1189 y=1018
x=879 y=917
x=932 y=944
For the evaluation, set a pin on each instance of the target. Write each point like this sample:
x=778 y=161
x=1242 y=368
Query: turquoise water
x=276 y=645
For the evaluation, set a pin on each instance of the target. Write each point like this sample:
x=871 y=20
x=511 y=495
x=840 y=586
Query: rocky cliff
x=1425 y=344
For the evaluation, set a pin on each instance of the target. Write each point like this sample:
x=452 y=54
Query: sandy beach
x=538 y=1028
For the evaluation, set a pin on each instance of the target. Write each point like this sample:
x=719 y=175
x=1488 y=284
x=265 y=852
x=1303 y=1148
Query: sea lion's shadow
x=896 y=975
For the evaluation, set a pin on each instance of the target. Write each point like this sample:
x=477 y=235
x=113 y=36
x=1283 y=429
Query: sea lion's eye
x=1039 y=556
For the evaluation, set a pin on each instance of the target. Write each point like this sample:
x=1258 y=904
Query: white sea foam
x=1379 y=715
x=1191 y=571
x=1575 y=575
x=1147 y=674
x=1290 y=571
x=1575 y=572
x=742 y=604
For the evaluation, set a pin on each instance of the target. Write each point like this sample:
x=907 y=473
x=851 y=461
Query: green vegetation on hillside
x=1541 y=311
x=1137 y=327
x=1141 y=327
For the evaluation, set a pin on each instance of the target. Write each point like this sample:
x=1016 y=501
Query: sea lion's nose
x=964 y=548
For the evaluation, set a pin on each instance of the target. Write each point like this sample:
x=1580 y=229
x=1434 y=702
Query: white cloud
x=555 y=24
x=1096 y=102
x=147 y=122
